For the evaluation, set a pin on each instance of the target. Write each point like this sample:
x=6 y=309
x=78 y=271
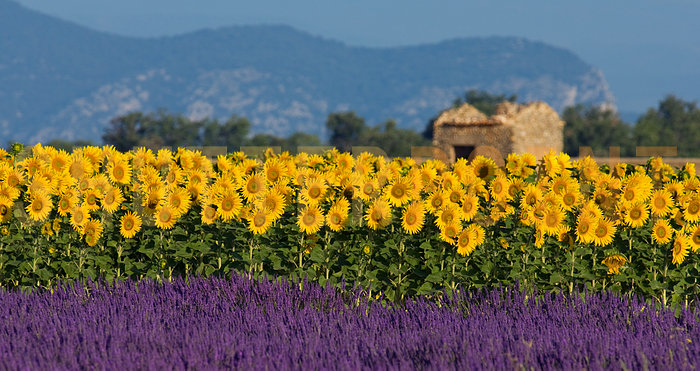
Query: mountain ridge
x=61 y=80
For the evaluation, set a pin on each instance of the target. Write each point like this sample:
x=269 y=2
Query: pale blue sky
x=645 y=48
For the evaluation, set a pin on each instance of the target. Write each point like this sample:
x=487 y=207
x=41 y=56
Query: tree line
x=674 y=122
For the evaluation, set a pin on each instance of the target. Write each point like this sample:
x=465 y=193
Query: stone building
x=463 y=131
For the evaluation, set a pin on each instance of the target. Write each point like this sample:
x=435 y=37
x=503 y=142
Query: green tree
x=394 y=141
x=674 y=123
x=595 y=127
x=233 y=133
x=346 y=129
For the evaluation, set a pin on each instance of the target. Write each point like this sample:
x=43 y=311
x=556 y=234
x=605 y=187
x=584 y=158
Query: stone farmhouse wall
x=534 y=128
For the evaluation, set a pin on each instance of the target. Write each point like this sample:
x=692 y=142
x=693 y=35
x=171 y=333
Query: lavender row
x=241 y=323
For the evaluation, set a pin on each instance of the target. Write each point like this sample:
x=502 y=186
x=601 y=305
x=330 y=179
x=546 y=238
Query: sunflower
x=466 y=241
x=273 y=202
x=470 y=206
x=91 y=197
x=274 y=170
x=337 y=215
x=165 y=216
x=400 y=192
x=112 y=199
x=59 y=161
x=604 y=232
x=119 y=172
x=378 y=215
x=79 y=215
x=208 y=214
x=93 y=227
x=694 y=238
x=483 y=167
x=691 y=212
x=448 y=214
x=130 y=225
x=5 y=209
x=570 y=200
x=637 y=215
x=229 y=205
x=369 y=188
x=413 y=217
x=259 y=221
x=314 y=190
x=585 y=228
x=435 y=202
x=531 y=195
x=40 y=206
x=614 y=262
x=450 y=232
x=499 y=188
x=179 y=200
x=680 y=248
x=151 y=200
x=661 y=203
x=662 y=232
x=310 y=219
x=552 y=222
x=65 y=204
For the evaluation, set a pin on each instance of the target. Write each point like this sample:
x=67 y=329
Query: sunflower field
x=394 y=227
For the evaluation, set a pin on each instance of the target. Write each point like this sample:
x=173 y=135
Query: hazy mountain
x=61 y=80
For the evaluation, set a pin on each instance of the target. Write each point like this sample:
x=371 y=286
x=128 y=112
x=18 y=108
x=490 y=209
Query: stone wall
x=449 y=136
x=537 y=128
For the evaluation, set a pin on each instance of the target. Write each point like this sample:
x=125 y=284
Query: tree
x=346 y=128
x=595 y=127
x=233 y=133
x=67 y=145
x=391 y=139
x=674 y=123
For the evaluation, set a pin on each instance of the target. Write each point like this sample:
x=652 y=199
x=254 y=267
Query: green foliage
x=598 y=128
x=348 y=130
x=674 y=123
x=159 y=130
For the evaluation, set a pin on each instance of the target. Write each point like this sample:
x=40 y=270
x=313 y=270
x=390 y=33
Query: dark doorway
x=463 y=151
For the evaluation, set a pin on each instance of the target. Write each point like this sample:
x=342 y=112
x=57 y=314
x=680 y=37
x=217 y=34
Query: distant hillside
x=61 y=80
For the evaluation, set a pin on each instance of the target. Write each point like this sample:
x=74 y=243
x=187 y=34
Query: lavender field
x=247 y=324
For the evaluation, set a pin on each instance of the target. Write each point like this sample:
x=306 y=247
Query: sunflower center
x=397 y=191
x=497 y=188
x=629 y=194
x=696 y=238
x=694 y=207
x=128 y=224
x=583 y=228
x=454 y=197
x=569 y=199
x=118 y=172
x=259 y=220
x=314 y=192
x=227 y=205
x=309 y=219
x=660 y=203
x=661 y=232
x=37 y=205
x=411 y=218
x=376 y=215
x=601 y=231
x=164 y=216
x=551 y=220
x=209 y=213
x=63 y=204
x=368 y=189
x=635 y=214
x=335 y=219
x=482 y=172
x=437 y=202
